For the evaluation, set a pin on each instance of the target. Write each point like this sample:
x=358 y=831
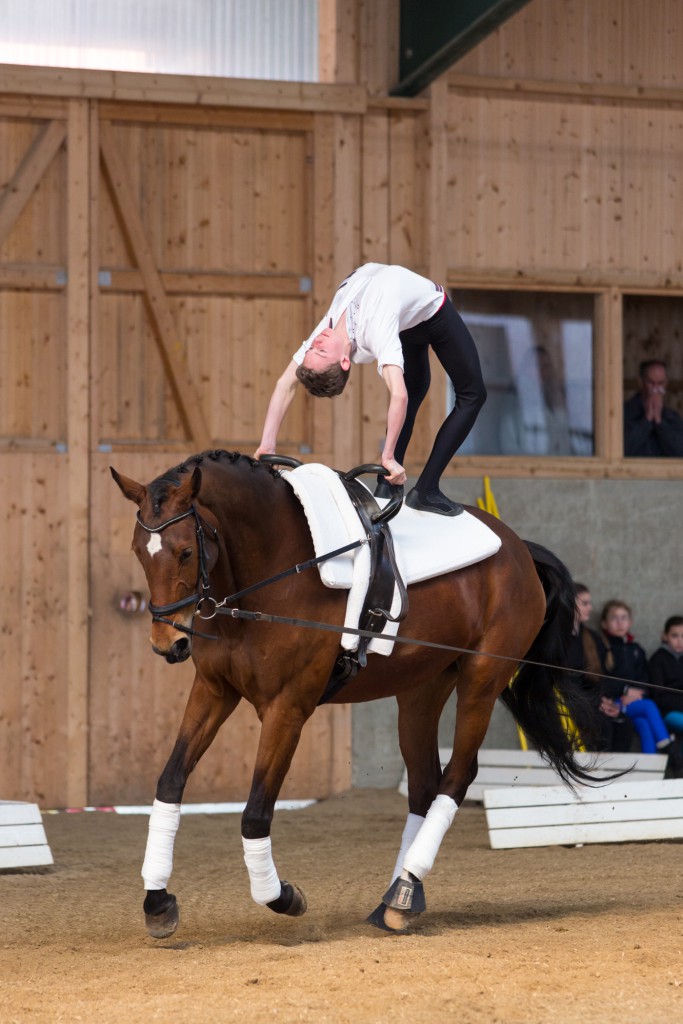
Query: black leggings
x=454 y=347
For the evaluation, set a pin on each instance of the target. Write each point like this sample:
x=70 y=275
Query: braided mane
x=158 y=489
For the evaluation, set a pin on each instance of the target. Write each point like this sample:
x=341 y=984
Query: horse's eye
x=185 y=554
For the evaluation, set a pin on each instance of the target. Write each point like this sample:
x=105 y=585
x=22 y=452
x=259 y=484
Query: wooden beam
x=28 y=174
x=580 y=92
x=250 y=119
x=185 y=393
x=197 y=90
x=550 y=279
x=78 y=438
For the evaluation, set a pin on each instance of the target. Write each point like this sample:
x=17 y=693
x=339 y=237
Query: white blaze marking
x=154 y=544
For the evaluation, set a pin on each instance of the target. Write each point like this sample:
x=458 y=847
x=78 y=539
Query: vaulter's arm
x=280 y=401
x=396 y=414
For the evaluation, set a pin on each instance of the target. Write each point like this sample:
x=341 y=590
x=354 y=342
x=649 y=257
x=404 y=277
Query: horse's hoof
x=291 y=901
x=164 y=921
x=399 y=922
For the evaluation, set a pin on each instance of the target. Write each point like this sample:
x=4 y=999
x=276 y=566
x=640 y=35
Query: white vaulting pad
x=426 y=545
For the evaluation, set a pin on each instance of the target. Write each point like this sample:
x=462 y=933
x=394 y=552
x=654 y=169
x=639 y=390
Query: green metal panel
x=436 y=33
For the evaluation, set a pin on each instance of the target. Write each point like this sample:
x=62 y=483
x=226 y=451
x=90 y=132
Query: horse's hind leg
x=205 y=713
x=418 y=732
x=477 y=692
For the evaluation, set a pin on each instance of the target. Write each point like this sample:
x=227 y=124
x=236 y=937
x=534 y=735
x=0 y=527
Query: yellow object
x=488 y=502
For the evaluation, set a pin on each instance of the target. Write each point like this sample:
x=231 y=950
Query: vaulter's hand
x=397 y=474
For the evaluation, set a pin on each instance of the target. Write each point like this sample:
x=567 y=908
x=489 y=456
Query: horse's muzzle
x=179 y=651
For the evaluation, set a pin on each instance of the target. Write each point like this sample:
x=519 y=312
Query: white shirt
x=384 y=300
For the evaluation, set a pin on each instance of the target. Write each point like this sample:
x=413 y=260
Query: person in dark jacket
x=625 y=659
x=614 y=730
x=651 y=428
x=665 y=668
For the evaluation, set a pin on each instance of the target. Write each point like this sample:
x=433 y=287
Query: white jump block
x=527 y=768
x=620 y=812
x=23 y=842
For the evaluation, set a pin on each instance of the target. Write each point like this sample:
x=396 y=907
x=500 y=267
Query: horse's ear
x=129 y=488
x=187 y=492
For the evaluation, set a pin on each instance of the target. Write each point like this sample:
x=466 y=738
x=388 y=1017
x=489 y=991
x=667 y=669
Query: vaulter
x=393 y=316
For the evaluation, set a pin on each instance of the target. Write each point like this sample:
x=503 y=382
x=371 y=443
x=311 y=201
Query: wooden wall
x=166 y=243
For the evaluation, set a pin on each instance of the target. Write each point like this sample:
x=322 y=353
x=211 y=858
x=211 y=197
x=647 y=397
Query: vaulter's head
x=325 y=369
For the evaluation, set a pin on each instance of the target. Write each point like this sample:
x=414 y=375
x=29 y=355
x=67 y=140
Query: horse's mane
x=158 y=489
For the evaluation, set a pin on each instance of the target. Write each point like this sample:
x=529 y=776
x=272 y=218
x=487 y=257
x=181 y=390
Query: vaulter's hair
x=323 y=383
x=673 y=620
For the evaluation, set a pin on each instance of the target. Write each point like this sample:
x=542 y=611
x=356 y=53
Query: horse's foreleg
x=280 y=732
x=205 y=713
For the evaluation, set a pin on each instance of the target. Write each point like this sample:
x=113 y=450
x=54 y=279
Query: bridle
x=160 y=611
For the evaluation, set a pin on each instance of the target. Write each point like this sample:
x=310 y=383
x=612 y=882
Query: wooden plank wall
x=165 y=244
x=159 y=265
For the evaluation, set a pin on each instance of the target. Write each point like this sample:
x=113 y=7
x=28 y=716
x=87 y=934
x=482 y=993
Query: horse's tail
x=550 y=704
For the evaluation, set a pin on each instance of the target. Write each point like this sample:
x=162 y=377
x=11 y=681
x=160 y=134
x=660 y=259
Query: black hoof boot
x=162 y=913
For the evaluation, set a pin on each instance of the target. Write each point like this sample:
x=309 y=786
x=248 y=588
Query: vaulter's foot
x=433 y=501
x=385 y=490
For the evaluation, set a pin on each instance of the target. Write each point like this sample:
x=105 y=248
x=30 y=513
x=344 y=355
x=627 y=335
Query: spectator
x=665 y=668
x=652 y=429
x=615 y=730
x=623 y=658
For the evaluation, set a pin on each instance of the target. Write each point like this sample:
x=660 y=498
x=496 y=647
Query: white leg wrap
x=414 y=823
x=420 y=858
x=163 y=825
x=263 y=878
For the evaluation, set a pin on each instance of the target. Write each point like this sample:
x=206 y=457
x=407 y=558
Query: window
x=653 y=330
x=536 y=351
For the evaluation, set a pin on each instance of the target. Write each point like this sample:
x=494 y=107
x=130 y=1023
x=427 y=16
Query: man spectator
x=652 y=429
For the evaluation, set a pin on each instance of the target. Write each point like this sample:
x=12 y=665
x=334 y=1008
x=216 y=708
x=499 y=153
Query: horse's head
x=176 y=542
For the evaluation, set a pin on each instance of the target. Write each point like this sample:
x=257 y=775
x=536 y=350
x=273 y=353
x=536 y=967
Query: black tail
x=537 y=695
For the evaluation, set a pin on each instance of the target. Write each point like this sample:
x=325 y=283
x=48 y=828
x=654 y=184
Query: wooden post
x=608 y=385
x=436 y=235
x=78 y=437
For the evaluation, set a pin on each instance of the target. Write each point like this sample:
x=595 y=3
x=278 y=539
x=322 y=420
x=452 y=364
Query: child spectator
x=665 y=668
x=622 y=657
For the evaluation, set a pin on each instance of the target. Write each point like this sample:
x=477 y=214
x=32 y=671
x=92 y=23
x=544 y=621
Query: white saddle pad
x=426 y=544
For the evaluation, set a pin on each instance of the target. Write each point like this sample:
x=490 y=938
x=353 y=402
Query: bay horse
x=221 y=522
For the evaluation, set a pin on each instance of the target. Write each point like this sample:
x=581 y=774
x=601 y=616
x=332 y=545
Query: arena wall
x=166 y=242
